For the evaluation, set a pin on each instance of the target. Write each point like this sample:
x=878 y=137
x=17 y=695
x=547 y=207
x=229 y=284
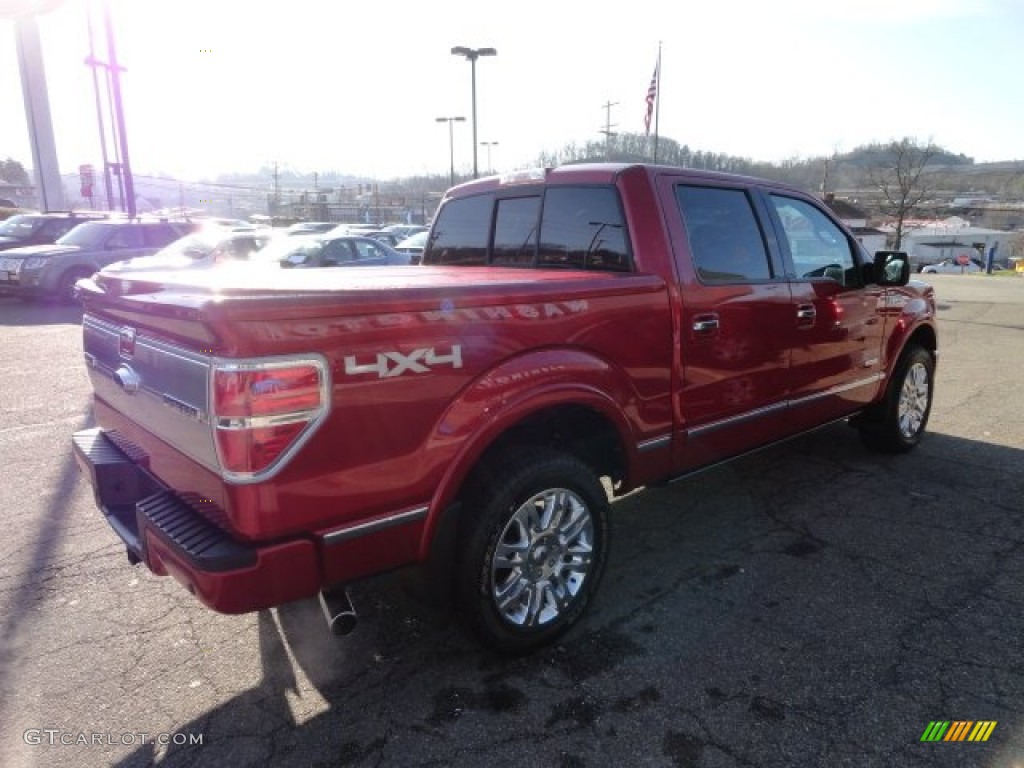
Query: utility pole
x=277 y=193
x=608 y=125
x=94 y=64
x=114 y=69
x=489 y=145
x=451 y=142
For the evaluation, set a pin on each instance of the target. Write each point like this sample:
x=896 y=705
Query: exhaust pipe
x=339 y=612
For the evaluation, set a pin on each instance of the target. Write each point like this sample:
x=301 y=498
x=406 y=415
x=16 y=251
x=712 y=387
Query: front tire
x=897 y=424
x=66 y=284
x=533 y=550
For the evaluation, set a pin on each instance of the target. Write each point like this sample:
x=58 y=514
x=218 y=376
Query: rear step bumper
x=171 y=538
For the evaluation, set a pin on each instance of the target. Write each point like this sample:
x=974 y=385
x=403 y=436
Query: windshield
x=296 y=250
x=21 y=226
x=86 y=235
x=195 y=246
x=419 y=240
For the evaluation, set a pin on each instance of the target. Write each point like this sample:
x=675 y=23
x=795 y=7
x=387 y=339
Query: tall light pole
x=472 y=54
x=451 y=141
x=489 y=144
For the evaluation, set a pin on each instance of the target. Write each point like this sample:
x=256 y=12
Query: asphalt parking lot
x=811 y=605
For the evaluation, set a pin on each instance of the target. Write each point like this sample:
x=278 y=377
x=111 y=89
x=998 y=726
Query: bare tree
x=899 y=171
x=1017 y=246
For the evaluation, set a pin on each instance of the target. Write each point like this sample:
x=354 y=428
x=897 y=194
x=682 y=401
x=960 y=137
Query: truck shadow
x=16 y=626
x=14 y=312
x=401 y=690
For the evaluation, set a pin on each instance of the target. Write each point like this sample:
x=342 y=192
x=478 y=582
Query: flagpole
x=657 y=104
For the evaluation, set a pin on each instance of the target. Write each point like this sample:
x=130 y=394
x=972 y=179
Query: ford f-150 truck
x=266 y=435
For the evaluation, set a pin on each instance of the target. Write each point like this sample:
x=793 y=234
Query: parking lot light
x=472 y=54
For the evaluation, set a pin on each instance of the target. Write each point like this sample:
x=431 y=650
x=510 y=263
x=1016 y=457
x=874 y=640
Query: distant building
x=949 y=238
x=21 y=195
x=857 y=220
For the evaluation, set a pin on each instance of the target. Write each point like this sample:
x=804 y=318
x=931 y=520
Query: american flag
x=652 y=94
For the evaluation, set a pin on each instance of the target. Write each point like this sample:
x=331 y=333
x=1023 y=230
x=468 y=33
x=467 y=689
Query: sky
x=319 y=85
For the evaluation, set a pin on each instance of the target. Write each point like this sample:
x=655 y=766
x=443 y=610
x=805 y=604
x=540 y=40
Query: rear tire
x=534 y=545
x=897 y=424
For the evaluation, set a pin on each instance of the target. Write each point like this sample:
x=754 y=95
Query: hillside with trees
x=839 y=172
x=895 y=180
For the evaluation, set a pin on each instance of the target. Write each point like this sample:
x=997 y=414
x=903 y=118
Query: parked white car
x=414 y=245
x=951 y=267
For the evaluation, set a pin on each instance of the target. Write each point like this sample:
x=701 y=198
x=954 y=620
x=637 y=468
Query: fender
x=508 y=393
x=912 y=314
x=53 y=272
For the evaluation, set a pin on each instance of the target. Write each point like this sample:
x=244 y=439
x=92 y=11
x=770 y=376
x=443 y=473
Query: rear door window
x=367 y=252
x=725 y=237
x=336 y=253
x=583 y=228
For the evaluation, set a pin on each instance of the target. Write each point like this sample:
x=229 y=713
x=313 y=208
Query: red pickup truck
x=574 y=333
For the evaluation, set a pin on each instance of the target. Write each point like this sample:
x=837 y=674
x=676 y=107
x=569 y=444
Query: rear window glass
x=569 y=228
x=515 y=231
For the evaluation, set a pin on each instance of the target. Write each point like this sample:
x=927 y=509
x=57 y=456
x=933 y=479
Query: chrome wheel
x=896 y=423
x=542 y=558
x=914 y=400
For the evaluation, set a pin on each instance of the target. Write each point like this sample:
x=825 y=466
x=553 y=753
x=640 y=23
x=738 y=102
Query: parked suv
x=51 y=271
x=41 y=228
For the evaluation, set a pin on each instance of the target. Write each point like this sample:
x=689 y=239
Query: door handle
x=705 y=324
x=806 y=315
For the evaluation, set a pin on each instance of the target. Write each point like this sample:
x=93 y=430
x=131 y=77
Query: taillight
x=264 y=411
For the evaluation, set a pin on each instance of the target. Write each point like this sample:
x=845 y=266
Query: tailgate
x=161 y=387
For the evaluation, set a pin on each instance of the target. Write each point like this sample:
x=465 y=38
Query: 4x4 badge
x=126 y=342
x=390 y=364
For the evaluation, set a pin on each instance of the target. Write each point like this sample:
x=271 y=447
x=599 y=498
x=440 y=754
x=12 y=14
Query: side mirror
x=889 y=268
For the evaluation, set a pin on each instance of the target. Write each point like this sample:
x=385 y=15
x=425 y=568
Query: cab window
x=726 y=241
x=817 y=246
x=583 y=228
x=125 y=237
x=460 y=233
x=367 y=251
